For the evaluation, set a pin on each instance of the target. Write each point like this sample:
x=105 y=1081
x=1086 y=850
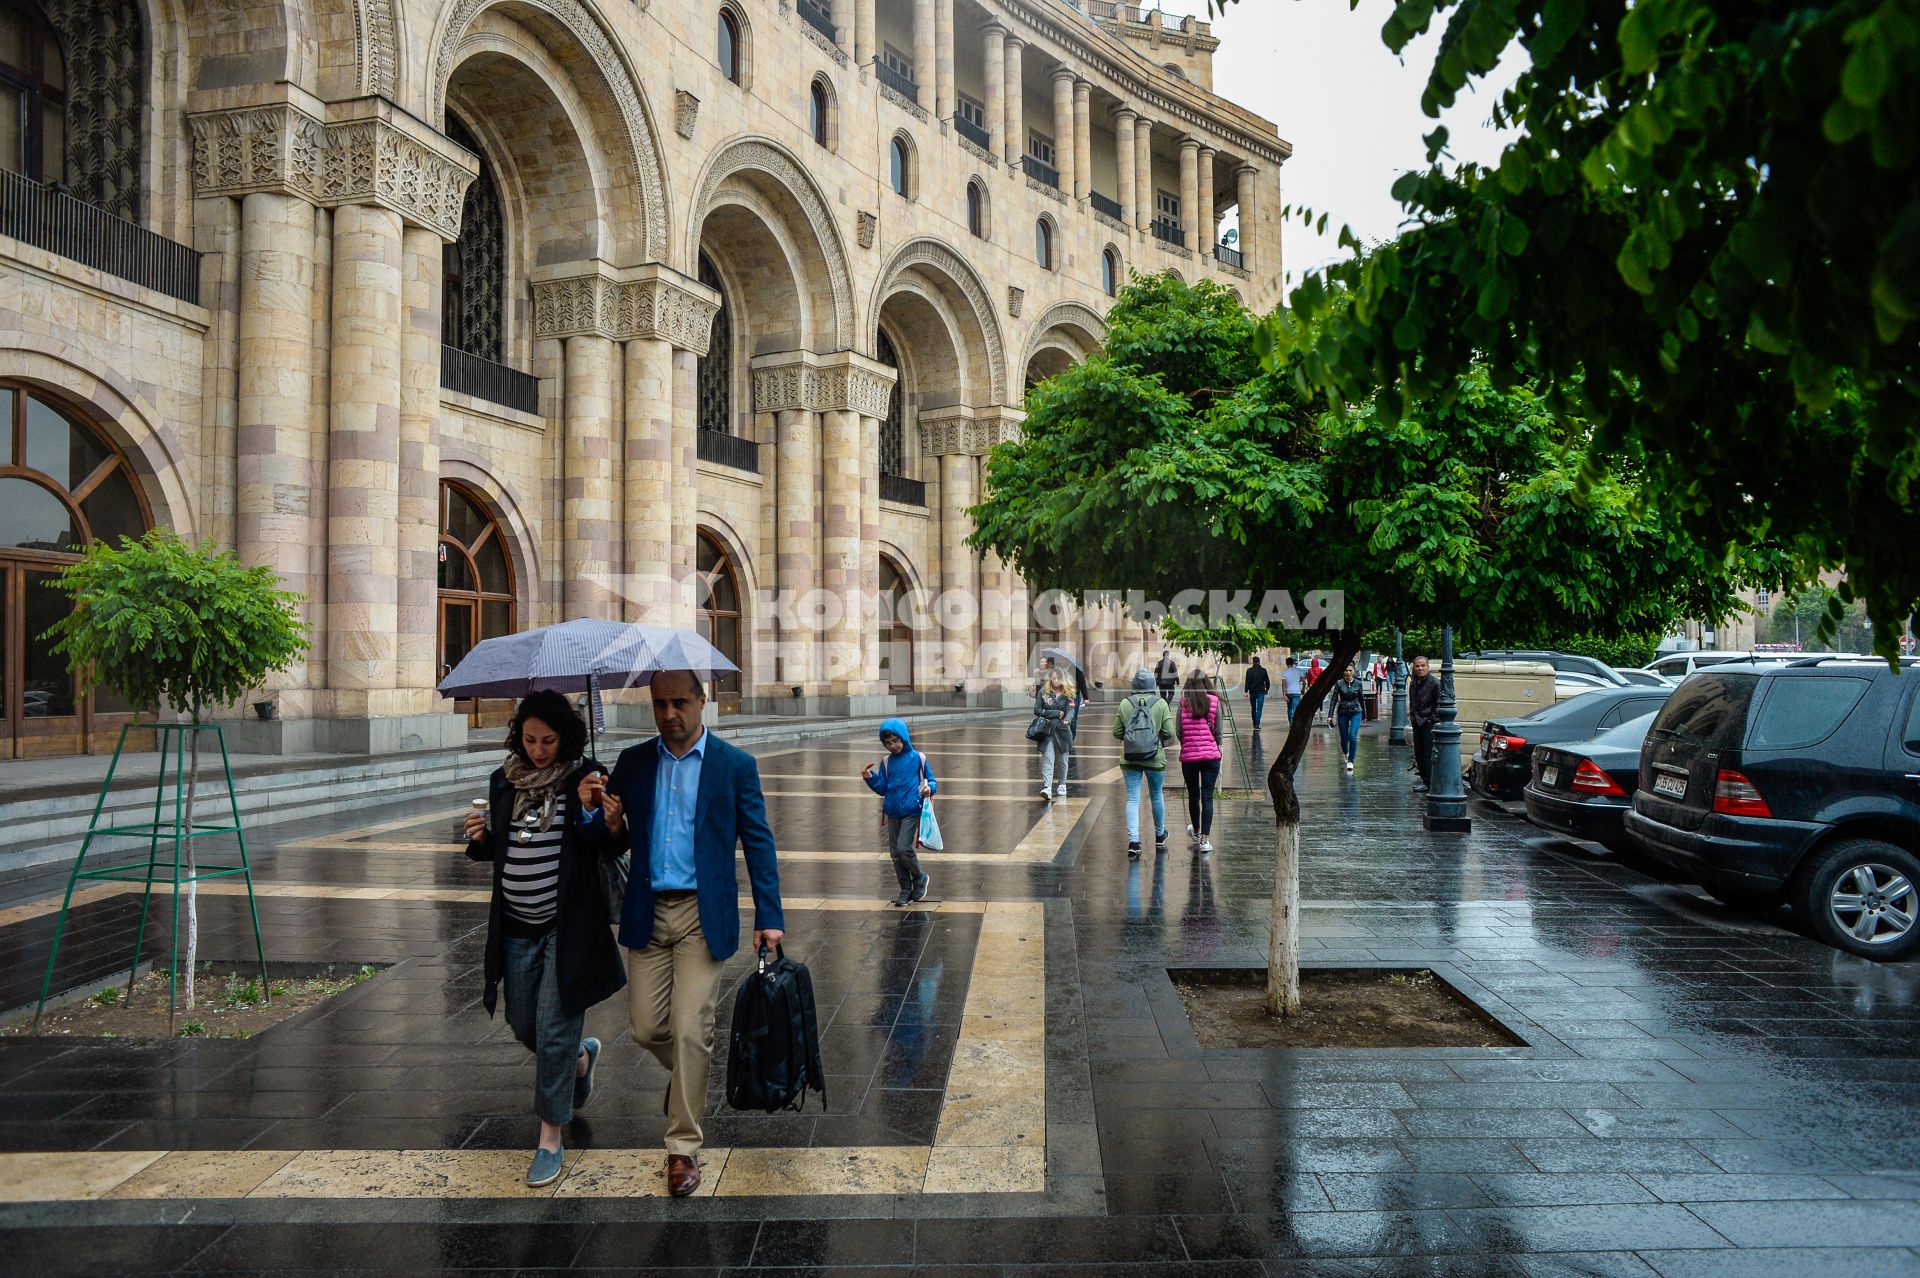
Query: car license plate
x=1549 y=776
x=1673 y=786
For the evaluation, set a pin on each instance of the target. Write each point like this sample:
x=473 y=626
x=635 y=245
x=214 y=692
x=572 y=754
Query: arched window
x=902 y=166
x=976 y=209
x=713 y=372
x=893 y=431
x=1043 y=243
x=1110 y=272
x=476 y=576
x=475 y=266
x=717 y=616
x=73 y=87
x=727 y=48
x=895 y=630
x=62 y=487
x=820 y=107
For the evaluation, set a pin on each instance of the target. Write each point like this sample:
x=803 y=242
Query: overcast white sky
x=1351 y=109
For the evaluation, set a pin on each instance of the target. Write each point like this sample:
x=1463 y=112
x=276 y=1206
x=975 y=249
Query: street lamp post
x=1446 y=801
x=1397 y=731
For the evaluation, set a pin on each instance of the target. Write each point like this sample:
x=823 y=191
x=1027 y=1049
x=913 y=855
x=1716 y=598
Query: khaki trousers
x=670 y=997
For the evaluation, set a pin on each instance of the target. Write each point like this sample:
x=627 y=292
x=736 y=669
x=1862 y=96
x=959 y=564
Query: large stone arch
x=936 y=267
x=765 y=173
x=584 y=29
x=359 y=44
x=1065 y=334
x=507 y=507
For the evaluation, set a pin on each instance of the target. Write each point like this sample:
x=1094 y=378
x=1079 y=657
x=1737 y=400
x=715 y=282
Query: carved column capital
x=946 y=432
x=626 y=303
x=821 y=383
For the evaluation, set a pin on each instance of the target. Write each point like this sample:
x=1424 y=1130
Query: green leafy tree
x=1172 y=461
x=1818 y=618
x=1704 y=240
x=1230 y=638
x=164 y=623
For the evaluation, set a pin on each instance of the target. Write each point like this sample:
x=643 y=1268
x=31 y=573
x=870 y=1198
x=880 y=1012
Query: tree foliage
x=1704 y=240
x=1233 y=638
x=1818 y=618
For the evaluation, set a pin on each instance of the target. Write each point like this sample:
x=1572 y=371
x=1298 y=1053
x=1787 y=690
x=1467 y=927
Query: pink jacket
x=1196 y=738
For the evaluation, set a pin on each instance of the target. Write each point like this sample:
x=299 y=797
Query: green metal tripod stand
x=172 y=740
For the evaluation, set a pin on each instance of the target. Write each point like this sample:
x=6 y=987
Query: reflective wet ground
x=1014 y=1087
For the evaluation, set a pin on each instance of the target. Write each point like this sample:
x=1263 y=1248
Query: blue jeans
x=538 y=1021
x=1293 y=703
x=1258 y=701
x=1349 y=733
x=1156 y=786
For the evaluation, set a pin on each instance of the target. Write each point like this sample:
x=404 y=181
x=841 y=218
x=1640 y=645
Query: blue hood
x=898 y=727
x=899 y=784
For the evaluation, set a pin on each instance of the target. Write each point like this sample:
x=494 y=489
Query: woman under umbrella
x=547 y=926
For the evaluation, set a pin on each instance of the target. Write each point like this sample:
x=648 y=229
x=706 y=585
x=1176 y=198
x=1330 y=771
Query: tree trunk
x=1283 y=937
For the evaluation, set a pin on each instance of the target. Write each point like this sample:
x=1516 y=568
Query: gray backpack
x=1141 y=743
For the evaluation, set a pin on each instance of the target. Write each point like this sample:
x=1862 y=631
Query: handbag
x=614 y=873
x=1038 y=729
x=929 y=824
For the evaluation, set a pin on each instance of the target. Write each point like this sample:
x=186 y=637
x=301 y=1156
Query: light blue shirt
x=676 y=789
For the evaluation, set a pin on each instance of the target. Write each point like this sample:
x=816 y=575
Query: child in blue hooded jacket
x=905 y=781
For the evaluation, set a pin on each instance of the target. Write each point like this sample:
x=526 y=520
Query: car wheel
x=1860 y=895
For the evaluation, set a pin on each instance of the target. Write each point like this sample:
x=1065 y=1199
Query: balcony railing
x=1038 y=168
x=481 y=378
x=898 y=488
x=55 y=221
x=1169 y=232
x=722 y=449
x=817 y=18
x=897 y=82
x=971 y=131
x=1231 y=256
x=1104 y=204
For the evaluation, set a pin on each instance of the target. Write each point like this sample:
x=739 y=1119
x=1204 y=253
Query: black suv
x=1799 y=783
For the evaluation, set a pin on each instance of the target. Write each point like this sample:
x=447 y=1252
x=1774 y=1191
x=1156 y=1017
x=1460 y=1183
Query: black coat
x=1259 y=682
x=591 y=970
x=1423 y=701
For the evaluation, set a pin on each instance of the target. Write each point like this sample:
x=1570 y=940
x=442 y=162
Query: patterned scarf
x=536 y=787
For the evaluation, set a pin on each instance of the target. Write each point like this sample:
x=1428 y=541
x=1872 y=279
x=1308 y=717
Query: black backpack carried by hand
x=773 y=1055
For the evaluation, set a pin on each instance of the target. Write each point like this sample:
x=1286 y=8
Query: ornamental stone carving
x=371 y=159
x=579 y=19
x=1016 y=298
x=866 y=228
x=902 y=101
x=650 y=301
x=375 y=32
x=971 y=432
x=822 y=383
x=686 y=111
x=931 y=256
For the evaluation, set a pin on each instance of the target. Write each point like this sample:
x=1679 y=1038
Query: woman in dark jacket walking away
x=1349 y=702
x=548 y=935
x=1054 y=704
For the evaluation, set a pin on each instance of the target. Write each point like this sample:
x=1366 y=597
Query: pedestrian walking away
x=547 y=935
x=1144 y=727
x=1293 y=681
x=1259 y=684
x=1054 y=706
x=1349 y=704
x=687 y=798
x=904 y=781
x=1167 y=676
x=1200 y=756
x=1423 y=712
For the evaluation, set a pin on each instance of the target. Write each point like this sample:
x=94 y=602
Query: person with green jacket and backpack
x=1143 y=726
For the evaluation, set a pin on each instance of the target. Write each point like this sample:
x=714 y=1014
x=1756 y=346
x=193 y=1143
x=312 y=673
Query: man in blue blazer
x=687 y=797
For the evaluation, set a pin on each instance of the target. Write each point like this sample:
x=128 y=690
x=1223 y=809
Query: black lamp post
x=1446 y=801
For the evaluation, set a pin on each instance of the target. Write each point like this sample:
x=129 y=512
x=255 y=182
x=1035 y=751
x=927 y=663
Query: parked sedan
x=1503 y=764
x=1641 y=678
x=1585 y=788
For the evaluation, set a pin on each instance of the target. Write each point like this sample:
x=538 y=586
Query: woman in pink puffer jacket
x=1199 y=727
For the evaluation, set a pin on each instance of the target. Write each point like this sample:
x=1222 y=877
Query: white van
x=1678 y=665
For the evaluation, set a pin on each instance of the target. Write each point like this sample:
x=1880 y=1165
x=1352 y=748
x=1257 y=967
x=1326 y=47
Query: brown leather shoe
x=683 y=1175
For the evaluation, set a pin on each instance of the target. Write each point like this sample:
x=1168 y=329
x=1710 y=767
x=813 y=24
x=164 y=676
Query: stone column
x=1190 y=191
x=841 y=15
x=1123 y=155
x=796 y=539
x=959 y=572
x=994 y=42
x=420 y=468
x=1246 y=176
x=1082 y=139
x=1063 y=126
x=586 y=504
x=840 y=514
x=1016 y=140
x=363 y=461
x=647 y=481
x=1143 y=187
x=924 y=56
x=863 y=41
x=1207 y=224
x=943 y=59
x=274 y=497
x=869 y=618
x=685 y=464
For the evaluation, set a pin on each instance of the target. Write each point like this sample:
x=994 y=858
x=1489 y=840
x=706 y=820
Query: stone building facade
x=473 y=315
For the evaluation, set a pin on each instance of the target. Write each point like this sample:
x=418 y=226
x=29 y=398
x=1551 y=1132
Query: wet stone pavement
x=1014 y=1088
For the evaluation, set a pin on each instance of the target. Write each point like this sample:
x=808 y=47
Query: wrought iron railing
x=897 y=82
x=908 y=492
x=1104 y=204
x=1168 y=232
x=1231 y=256
x=482 y=378
x=722 y=449
x=816 y=17
x=1040 y=169
x=971 y=131
x=55 y=221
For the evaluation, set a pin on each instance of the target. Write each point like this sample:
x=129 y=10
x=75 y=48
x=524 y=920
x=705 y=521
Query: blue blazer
x=729 y=809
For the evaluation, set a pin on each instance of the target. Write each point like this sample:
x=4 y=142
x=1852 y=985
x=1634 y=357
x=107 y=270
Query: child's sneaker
x=905 y=898
x=920 y=888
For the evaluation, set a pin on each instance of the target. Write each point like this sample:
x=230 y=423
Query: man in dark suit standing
x=688 y=798
x=1423 y=708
